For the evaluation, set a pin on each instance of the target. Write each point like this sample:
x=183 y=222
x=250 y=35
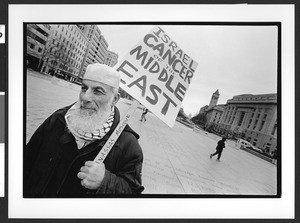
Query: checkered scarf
x=84 y=138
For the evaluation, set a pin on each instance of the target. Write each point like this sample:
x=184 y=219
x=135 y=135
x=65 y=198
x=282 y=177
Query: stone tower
x=214 y=99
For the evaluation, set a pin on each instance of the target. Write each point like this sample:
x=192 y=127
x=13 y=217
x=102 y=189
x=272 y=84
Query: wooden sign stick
x=116 y=133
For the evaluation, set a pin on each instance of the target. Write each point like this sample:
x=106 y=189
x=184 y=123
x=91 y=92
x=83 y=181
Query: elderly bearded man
x=58 y=157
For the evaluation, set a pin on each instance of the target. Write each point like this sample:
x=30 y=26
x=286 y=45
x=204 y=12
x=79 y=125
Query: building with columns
x=254 y=118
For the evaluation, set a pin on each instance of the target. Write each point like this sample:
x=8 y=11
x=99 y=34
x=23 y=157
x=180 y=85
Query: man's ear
x=116 y=99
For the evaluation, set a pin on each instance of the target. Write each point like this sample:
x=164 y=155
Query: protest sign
x=157 y=73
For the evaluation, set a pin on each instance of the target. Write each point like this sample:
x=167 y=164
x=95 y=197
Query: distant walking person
x=219 y=148
x=145 y=111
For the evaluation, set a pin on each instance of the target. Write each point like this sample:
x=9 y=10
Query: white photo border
x=18 y=207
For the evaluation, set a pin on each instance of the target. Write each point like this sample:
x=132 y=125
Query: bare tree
x=181 y=114
x=57 y=53
x=199 y=119
x=67 y=60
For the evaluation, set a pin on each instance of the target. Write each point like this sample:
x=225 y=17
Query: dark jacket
x=221 y=145
x=52 y=161
x=145 y=111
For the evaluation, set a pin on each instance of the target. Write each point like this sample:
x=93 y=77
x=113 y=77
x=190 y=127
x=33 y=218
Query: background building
x=65 y=51
x=212 y=112
x=254 y=118
x=97 y=48
x=37 y=36
x=111 y=59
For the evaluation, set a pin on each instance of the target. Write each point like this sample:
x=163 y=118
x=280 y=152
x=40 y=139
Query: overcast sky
x=233 y=59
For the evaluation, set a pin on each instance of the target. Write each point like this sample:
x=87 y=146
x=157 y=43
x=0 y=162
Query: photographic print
x=117 y=112
x=222 y=139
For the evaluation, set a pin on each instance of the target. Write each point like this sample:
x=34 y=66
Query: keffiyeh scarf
x=84 y=138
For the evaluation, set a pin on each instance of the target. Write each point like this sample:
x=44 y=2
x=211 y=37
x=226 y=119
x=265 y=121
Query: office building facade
x=97 y=48
x=37 y=37
x=254 y=118
x=65 y=51
x=111 y=58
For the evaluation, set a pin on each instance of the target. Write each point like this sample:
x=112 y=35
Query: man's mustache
x=88 y=106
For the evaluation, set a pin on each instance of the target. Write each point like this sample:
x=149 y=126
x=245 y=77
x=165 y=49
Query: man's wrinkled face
x=95 y=96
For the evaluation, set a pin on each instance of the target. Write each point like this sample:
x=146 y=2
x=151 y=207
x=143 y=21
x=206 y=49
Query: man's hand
x=91 y=175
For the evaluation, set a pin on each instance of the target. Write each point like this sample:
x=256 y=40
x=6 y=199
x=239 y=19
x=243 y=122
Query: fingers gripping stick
x=116 y=133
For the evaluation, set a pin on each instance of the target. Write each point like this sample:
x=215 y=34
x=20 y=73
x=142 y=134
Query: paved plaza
x=176 y=160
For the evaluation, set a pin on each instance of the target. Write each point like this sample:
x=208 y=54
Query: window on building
x=262 y=125
x=274 y=129
x=254 y=126
x=35 y=37
x=31 y=46
x=254 y=141
x=39 y=50
x=241 y=118
x=249 y=123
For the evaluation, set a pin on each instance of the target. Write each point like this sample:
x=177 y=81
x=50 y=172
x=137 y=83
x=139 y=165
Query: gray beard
x=87 y=120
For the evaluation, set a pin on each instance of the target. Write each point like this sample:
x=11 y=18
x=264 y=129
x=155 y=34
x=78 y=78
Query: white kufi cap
x=103 y=74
